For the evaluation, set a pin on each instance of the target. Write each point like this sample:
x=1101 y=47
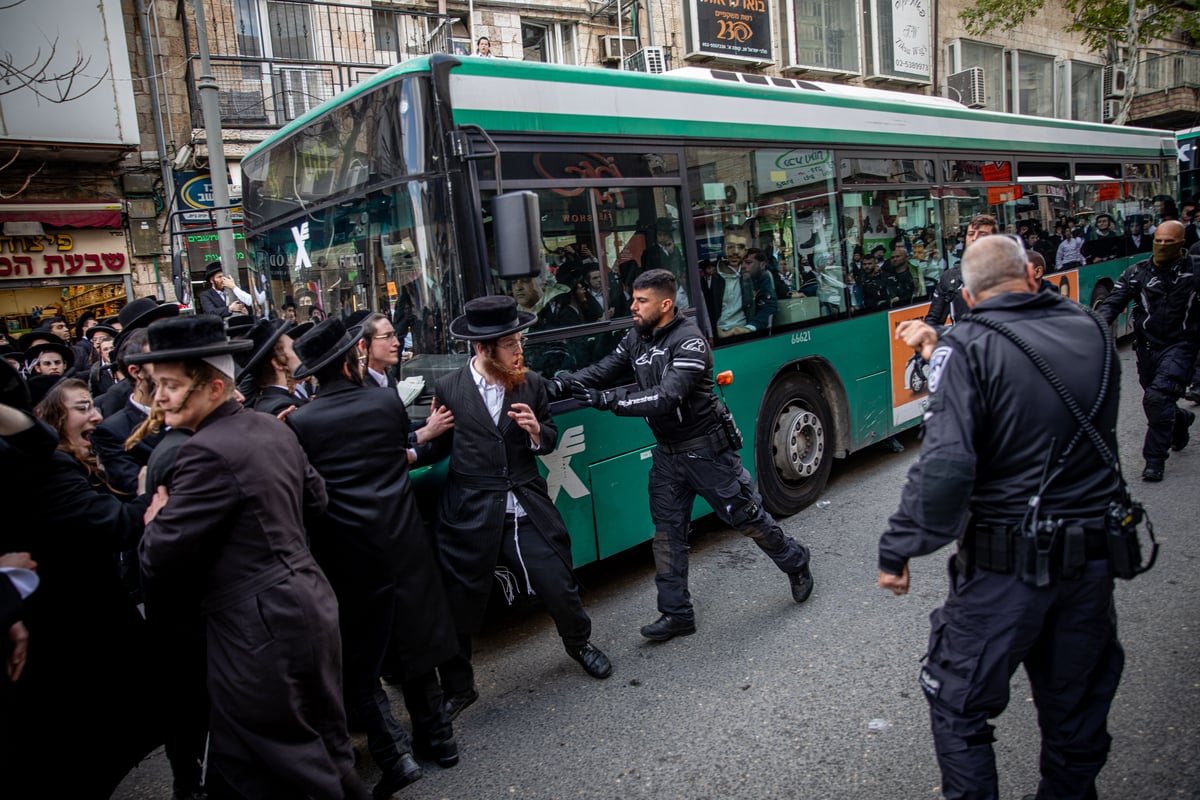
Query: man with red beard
x=495 y=508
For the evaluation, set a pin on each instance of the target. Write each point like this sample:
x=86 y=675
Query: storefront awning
x=65 y=215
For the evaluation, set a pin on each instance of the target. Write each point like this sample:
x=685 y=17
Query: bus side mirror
x=517 y=226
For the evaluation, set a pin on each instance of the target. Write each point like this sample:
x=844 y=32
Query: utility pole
x=210 y=107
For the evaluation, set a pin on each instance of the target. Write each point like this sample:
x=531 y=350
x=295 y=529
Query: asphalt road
x=774 y=700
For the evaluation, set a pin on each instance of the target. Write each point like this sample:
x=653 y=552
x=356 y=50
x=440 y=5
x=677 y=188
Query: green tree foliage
x=1106 y=26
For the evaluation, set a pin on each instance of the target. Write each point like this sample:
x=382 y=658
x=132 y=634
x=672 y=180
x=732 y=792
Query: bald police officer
x=995 y=427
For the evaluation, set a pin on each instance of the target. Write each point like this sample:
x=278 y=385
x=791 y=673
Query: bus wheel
x=791 y=447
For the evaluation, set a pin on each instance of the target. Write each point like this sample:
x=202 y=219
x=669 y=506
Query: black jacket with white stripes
x=673 y=368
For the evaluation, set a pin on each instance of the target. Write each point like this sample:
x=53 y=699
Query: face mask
x=1167 y=253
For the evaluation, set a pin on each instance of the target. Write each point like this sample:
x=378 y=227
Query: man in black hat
x=138 y=314
x=372 y=544
x=212 y=300
x=269 y=368
x=108 y=440
x=233 y=516
x=495 y=506
x=49 y=358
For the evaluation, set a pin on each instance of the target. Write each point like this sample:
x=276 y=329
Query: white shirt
x=378 y=377
x=493 y=398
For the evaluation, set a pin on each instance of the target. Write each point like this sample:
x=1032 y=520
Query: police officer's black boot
x=802 y=584
x=1180 y=436
x=1153 y=473
x=668 y=627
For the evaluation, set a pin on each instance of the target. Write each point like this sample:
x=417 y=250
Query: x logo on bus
x=300 y=235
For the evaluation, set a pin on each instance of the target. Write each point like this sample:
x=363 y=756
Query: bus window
x=896 y=250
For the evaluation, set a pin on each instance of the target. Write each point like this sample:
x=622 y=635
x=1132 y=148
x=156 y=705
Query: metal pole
x=160 y=138
x=209 y=106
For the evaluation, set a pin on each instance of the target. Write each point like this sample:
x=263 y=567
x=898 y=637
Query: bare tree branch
x=28 y=177
x=58 y=87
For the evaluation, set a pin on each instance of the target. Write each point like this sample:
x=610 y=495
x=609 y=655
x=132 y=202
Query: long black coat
x=274 y=400
x=486 y=462
x=108 y=440
x=82 y=625
x=214 y=302
x=372 y=535
x=239 y=496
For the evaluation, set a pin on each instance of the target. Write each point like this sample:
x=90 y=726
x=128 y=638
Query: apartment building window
x=963 y=54
x=1078 y=91
x=1031 y=77
x=549 y=42
x=824 y=35
x=291 y=30
x=386 y=38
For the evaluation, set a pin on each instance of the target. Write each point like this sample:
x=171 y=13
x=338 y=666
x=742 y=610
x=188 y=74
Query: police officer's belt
x=993 y=548
x=713 y=440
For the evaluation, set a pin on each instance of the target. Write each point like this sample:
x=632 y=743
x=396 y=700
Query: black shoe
x=1193 y=394
x=668 y=627
x=802 y=584
x=1153 y=473
x=455 y=703
x=1179 y=439
x=594 y=662
x=444 y=754
x=404 y=772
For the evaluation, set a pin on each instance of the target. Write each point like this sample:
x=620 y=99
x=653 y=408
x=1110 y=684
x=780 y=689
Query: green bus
x=383 y=198
x=1189 y=163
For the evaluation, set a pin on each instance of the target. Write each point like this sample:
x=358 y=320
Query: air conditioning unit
x=616 y=48
x=1111 y=109
x=648 y=59
x=1114 y=78
x=968 y=87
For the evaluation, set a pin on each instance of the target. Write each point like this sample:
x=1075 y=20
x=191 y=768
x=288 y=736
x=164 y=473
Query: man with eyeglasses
x=380 y=346
x=495 y=506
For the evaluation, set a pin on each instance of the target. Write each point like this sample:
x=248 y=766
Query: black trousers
x=537 y=569
x=720 y=478
x=1066 y=636
x=1164 y=373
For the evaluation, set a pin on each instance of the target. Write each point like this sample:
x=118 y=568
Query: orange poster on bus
x=910 y=391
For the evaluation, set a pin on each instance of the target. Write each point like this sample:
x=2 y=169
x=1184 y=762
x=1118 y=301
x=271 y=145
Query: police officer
x=947 y=294
x=672 y=363
x=994 y=428
x=1166 y=322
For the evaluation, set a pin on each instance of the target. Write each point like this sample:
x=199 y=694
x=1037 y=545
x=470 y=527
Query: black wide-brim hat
x=324 y=344
x=264 y=335
x=68 y=355
x=13 y=390
x=296 y=331
x=187 y=338
x=212 y=269
x=40 y=386
x=238 y=325
x=139 y=314
x=25 y=340
x=489 y=318
x=90 y=333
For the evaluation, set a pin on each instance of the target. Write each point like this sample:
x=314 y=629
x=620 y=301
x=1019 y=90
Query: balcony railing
x=1170 y=71
x=274 y=60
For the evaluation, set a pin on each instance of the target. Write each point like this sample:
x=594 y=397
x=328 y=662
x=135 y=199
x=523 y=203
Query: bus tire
x=792 y=445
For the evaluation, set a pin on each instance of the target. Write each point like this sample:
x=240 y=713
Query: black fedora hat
x=324 y=344
x=212 y=269
x=490 y=318
x=238 y=325
x=68 y=355
x=143 y=311
x=139 y=314
x=26 y=340
x=40 y=386
x=13 y=389
x=186 y=338
x=264 y=335
x=296 y=331
x=101 y=328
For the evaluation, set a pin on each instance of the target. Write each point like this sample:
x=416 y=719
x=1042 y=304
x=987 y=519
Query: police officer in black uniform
x=947 y=294
x=995 y=427
x=1166 y=321
x=672 y=364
